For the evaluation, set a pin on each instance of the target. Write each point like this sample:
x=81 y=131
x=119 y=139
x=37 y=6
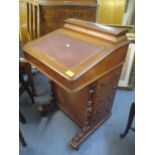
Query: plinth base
x=85 y=132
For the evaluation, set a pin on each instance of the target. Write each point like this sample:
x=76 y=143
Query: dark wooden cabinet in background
x=54 y=13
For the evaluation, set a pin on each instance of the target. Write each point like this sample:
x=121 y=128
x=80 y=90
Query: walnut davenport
x=84 y=60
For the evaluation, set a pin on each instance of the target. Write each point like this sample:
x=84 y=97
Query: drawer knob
x=91 y=91
x=89 y=103
x=71 y=15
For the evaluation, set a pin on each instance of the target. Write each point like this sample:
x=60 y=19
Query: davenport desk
x=84 y=60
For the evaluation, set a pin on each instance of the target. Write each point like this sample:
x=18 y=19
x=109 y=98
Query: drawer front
x=78 y=13
x=105 y=93
x=73 y=104
x=47 y=27
x=49 y=14
x=53 y=18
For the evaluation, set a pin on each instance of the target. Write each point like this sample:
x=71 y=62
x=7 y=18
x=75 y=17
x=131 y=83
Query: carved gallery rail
x=84 y=60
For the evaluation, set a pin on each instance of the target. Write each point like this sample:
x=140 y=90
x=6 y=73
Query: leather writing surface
x=66 y=50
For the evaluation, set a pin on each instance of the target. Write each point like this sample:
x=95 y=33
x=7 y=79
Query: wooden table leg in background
x=22 y=140
x=130 y=120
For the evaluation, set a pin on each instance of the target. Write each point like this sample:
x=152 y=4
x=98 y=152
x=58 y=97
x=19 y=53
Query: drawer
x=53 y=18
x=105 y=91
x=47 y=27
x=78 y=13
x=49 y=13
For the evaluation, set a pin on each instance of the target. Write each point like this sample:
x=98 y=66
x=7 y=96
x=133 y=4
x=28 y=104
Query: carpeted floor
x=50 y=135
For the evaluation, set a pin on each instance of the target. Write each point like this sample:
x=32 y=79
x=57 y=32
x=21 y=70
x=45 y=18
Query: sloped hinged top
x=69 y=53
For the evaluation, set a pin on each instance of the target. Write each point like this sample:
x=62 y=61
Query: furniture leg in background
x=30 y=79
x=21 y=138
x=21 y=80
x=22 y=118
x=130 y=120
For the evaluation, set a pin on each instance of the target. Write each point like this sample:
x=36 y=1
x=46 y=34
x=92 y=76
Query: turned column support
x=87 y=128
x=47 y=107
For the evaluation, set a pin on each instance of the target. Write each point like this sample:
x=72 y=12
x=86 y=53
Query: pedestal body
x=91 y=104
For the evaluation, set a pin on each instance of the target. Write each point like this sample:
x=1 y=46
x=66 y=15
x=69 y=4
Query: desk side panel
x=78 y=105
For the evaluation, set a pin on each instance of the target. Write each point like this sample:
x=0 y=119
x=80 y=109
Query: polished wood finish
x=29 y=30
x=53 y=13
x=53 y=17
x=84 y=60
x=33 y=14
x=92 y=37
x=29 y=21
